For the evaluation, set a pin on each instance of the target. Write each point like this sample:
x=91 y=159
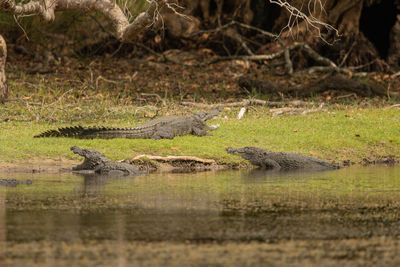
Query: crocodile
x=96 y=162
x=166 y=127
x=267 y=159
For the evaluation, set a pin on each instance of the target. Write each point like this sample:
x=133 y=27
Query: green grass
x=336 y=135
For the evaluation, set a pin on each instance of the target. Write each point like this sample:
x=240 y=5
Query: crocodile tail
x=49 y=133
x=85 y=132
x=75 y=131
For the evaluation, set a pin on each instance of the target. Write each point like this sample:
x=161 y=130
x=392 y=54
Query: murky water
x=356 y=203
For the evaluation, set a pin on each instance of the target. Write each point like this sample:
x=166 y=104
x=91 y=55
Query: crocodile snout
x=232 y=150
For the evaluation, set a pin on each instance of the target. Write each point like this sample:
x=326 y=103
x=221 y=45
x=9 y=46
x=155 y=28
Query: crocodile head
x=247 y=152
x=93 y=158
x=206 y=115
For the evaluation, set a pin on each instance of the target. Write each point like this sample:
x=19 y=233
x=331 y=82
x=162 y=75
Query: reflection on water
x=356 y=202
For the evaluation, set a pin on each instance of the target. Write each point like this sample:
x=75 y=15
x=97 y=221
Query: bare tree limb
x=311 y=20
x=288 y=62
x=124 y=30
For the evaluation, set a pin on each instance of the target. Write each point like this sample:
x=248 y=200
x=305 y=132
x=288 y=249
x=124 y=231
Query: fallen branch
x=285 y=52
x=104 y=79
x=173 y=158
x=292 y=111
x=162 y=56
x=249 y=102
x=291 y=107
x=394 y=106
x=332 y=82
x=316 y=69
x=347 y=96
x=158 y=97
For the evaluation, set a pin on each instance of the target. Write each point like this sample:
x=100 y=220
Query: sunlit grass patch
x=335 y=135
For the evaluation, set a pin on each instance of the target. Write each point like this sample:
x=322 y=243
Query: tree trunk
x=393 y=57
x=365 y=28
x=3 y=79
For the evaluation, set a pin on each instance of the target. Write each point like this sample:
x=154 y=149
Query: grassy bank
x=348 y=128
x=340 y=133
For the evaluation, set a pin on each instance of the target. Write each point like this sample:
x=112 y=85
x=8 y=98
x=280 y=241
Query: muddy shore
x=65 y=165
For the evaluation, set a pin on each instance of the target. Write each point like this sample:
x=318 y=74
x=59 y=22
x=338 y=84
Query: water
x=227 y=207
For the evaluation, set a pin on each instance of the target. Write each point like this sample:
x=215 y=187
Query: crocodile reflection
x=94 y=184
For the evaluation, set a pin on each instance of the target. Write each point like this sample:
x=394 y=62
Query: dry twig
x=104 y=79
x=159 y=98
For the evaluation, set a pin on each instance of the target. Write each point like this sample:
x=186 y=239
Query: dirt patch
x=65 y=165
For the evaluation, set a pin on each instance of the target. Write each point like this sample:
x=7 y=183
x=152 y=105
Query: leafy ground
x=127 y=92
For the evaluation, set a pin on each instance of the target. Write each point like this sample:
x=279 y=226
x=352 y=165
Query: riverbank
x=343 y=129
x=343 y=135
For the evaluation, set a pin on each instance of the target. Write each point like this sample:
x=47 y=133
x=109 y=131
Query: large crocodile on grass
x=95 y=162
x=267 y=159
x=162 y=128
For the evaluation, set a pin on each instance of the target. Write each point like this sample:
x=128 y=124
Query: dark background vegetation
x=365 y=23
x=368 y=41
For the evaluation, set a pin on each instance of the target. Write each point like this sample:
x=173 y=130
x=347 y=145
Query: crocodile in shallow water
x=95 y=162
x=267 y=159
x=162 y=128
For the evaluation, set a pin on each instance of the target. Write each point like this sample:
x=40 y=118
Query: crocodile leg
x=270 y=164
x=163 y=133
x=200 y=132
